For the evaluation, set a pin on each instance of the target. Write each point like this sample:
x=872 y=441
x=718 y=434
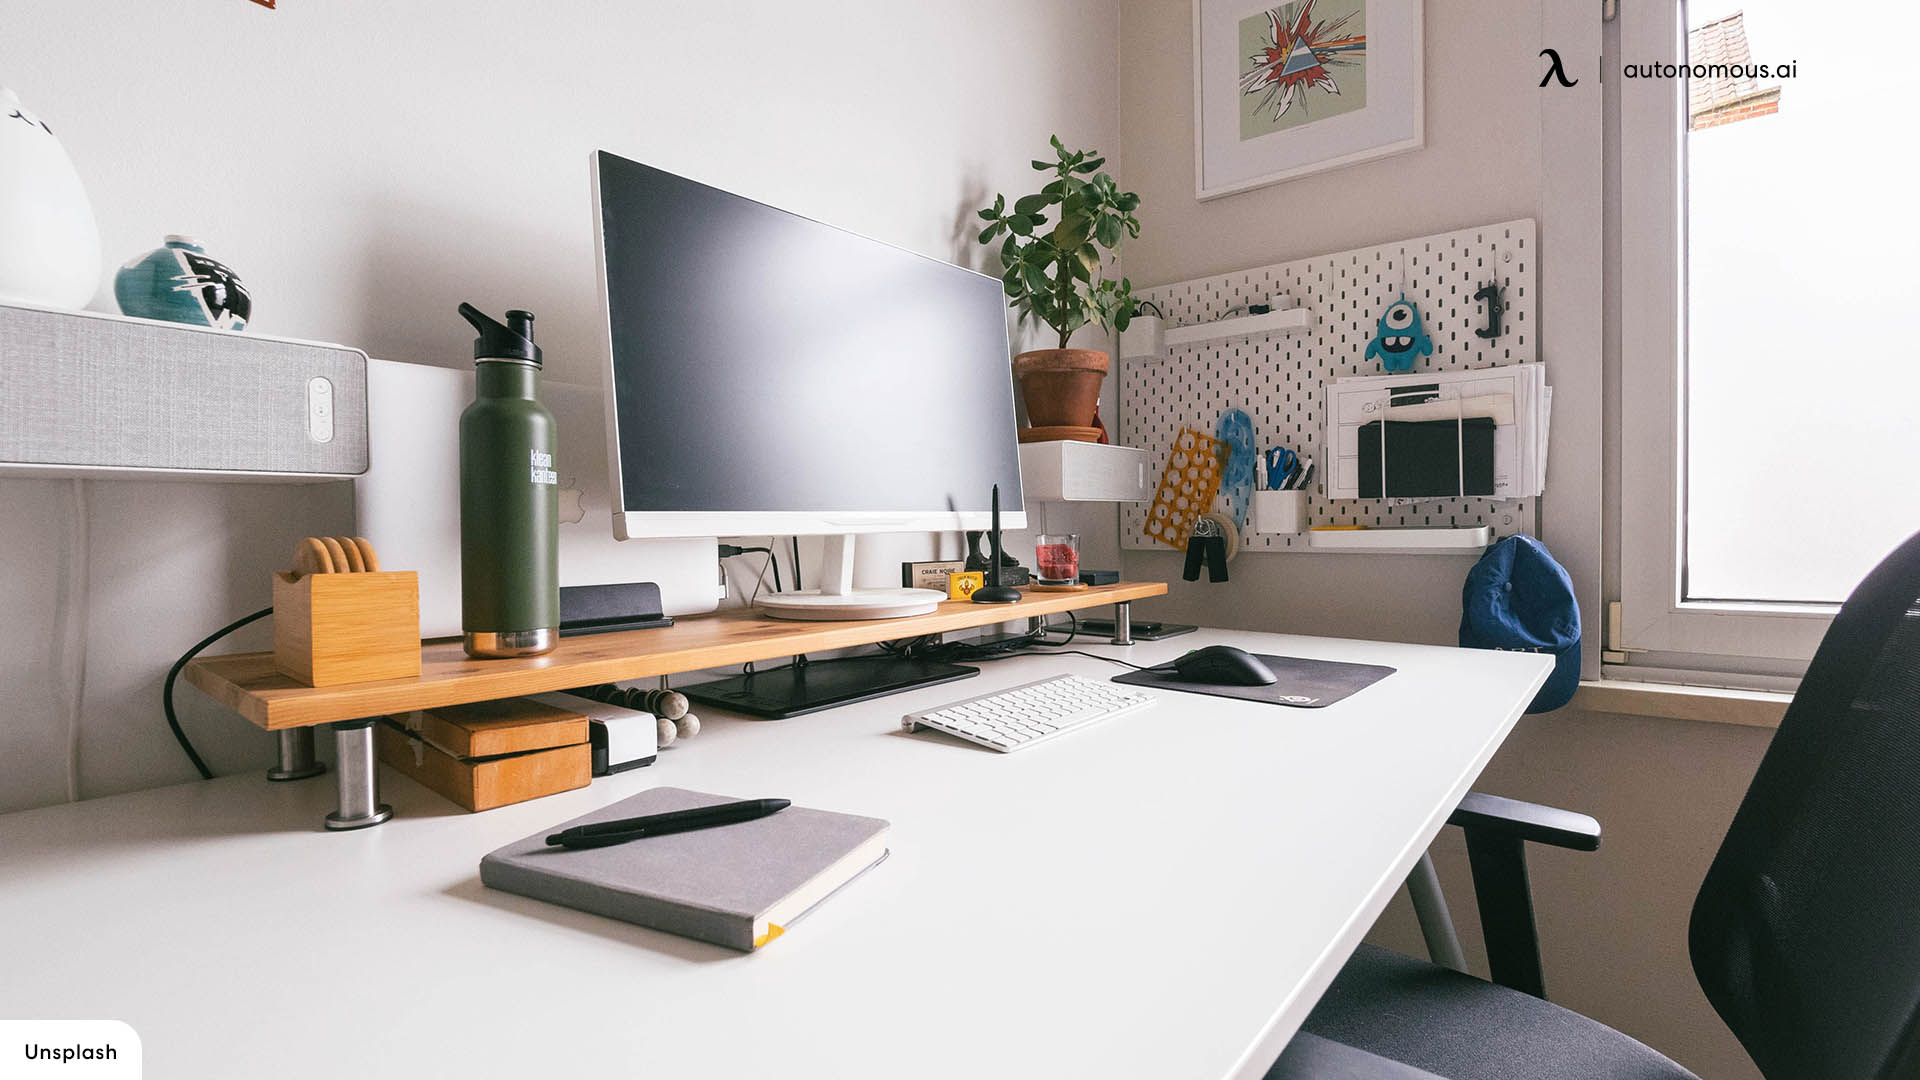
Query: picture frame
x=1289 y=88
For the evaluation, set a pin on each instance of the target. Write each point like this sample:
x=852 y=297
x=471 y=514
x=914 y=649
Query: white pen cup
x=1279 y=511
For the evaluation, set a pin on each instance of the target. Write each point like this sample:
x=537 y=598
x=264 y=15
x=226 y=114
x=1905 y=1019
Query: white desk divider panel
x=1277 y=376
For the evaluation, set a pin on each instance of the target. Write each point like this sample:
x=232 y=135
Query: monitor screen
x=774 y=374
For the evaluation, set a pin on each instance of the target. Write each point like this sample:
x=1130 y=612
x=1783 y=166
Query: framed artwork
x=1286 y=89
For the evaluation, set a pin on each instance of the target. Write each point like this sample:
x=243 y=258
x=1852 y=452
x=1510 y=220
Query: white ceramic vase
x=49 y=243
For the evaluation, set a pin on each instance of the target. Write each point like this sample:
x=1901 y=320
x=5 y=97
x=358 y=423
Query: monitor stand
x=837 y=599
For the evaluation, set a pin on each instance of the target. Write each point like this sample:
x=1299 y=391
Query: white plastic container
x=1280 y=511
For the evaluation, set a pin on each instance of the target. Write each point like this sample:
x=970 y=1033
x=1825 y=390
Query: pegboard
x=1277 y=378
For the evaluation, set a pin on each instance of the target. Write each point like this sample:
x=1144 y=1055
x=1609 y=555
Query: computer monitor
x=770 y=374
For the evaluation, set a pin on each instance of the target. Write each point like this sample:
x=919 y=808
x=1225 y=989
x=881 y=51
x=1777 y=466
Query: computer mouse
x=1223 y=665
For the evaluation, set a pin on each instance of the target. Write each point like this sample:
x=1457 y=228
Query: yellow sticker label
x=774 y=930
x=961 y=585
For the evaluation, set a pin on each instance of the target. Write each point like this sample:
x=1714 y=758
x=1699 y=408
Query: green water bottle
x=509 y=497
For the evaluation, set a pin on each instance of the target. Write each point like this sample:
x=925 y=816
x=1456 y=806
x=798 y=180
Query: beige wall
x=1613 y=923
x=366 y=165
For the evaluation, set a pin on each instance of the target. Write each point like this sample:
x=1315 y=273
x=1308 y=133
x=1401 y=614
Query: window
x=1769 y=284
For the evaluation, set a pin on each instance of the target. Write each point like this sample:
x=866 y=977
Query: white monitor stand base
x=838 y=600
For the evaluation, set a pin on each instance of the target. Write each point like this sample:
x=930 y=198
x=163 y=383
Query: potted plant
x=1054 y=276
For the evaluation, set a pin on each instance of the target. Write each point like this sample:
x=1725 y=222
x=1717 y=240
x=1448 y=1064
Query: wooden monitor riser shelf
x=249 y=684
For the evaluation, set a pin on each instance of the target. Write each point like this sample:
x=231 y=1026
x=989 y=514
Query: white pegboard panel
x=1278 y=378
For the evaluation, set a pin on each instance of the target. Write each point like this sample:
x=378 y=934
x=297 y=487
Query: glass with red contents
x=1057 y=557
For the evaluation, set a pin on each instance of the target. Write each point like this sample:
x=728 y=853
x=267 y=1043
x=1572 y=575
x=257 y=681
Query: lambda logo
x=1555 y=70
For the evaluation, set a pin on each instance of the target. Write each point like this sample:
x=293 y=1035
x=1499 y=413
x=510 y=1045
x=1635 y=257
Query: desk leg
x=1123 y=623
x=1436 y=923
x=360 y=804
x=296 y=756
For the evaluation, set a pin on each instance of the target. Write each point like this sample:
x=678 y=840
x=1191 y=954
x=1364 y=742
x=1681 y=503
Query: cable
x=166 y=691
x=796 y=564
x=728 y=551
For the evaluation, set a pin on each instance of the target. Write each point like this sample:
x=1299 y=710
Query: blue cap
x=1518 y=598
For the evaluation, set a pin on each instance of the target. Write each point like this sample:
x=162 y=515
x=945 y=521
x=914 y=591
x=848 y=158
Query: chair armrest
x=1527 y=821
x=1310 y=1057
x=1497 y=833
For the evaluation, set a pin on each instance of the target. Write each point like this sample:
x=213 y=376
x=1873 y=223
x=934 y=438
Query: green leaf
x=1020 y=224
x=1127 y=202
x=1032 y=204
x=1036 y=278
x=1057 y=144
x=1010 y=251
x=1040 y=166
x=1089 y=166
x=987 y=234
x=988 y=214
x=1107 y=231
x=1089 y=256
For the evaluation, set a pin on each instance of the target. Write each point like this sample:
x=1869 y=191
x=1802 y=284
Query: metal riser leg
x=1123 y=623
x=359 y=785
x=296 y=756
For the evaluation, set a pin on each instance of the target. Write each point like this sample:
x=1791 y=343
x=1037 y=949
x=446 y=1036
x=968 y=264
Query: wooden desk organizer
x=330 y=629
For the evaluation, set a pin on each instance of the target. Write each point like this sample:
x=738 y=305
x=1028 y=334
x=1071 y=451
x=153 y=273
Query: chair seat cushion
x=1464 y=1028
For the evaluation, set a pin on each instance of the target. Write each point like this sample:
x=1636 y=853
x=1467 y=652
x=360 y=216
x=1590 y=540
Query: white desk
x=1163 y=896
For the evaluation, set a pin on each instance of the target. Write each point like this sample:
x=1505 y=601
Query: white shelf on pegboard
x=1468 y=541
x=1272 y=322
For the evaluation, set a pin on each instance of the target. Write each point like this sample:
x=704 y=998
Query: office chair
x=1805 y=935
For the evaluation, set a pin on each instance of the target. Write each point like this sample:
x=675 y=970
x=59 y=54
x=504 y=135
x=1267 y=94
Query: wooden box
x=330 y=629
x=489 y=754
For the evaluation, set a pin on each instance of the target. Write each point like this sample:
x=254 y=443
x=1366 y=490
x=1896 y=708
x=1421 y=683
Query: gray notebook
x=736 y=885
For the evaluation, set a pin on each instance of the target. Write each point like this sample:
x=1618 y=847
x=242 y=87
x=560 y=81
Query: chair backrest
x=1806 y=933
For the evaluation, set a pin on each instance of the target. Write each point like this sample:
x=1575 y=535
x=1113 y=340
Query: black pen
x=605 y=833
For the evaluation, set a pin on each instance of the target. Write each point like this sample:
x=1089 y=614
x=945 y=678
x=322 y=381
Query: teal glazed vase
x=182 y=283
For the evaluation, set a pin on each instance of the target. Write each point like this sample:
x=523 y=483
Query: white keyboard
x=1016 y=719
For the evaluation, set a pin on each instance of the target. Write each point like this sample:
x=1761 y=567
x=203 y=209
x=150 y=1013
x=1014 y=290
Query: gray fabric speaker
x=84 y=393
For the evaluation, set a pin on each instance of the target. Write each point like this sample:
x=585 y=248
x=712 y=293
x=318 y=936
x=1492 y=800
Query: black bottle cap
x=514 y=341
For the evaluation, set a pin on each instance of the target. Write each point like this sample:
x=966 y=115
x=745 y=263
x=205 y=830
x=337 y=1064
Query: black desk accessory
x=1299 y=683
x=1208 y=543
x=993 y=592
x=1142 y=631
x=798 y=689
x=603 y=609
x=1011 y=572
x=608 y=833
x=1489 y=294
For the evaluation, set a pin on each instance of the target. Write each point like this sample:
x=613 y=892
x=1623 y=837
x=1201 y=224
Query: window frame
x=1658 y=626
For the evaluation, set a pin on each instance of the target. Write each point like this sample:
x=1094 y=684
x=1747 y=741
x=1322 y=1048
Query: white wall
x=366 y=165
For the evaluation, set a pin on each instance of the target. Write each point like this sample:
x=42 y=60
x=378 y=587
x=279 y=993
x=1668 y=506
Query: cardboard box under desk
x=489 y=754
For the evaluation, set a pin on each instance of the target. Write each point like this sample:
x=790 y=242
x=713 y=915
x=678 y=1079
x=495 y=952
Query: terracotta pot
x=1061 y=386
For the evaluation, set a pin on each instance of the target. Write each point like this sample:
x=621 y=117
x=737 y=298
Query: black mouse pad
x=1298 y=682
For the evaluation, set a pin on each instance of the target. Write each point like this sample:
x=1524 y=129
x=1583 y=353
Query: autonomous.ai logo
x=1555 y=70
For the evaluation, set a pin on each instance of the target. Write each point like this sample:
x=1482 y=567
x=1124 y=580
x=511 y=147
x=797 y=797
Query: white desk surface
x=1161 y=896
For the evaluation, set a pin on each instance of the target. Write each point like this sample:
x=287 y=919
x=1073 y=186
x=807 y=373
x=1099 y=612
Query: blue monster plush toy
x=1400 y=339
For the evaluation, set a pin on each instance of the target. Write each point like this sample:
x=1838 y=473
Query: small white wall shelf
x=1273 y=322
x=1082 y=472
x=1467 y=541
